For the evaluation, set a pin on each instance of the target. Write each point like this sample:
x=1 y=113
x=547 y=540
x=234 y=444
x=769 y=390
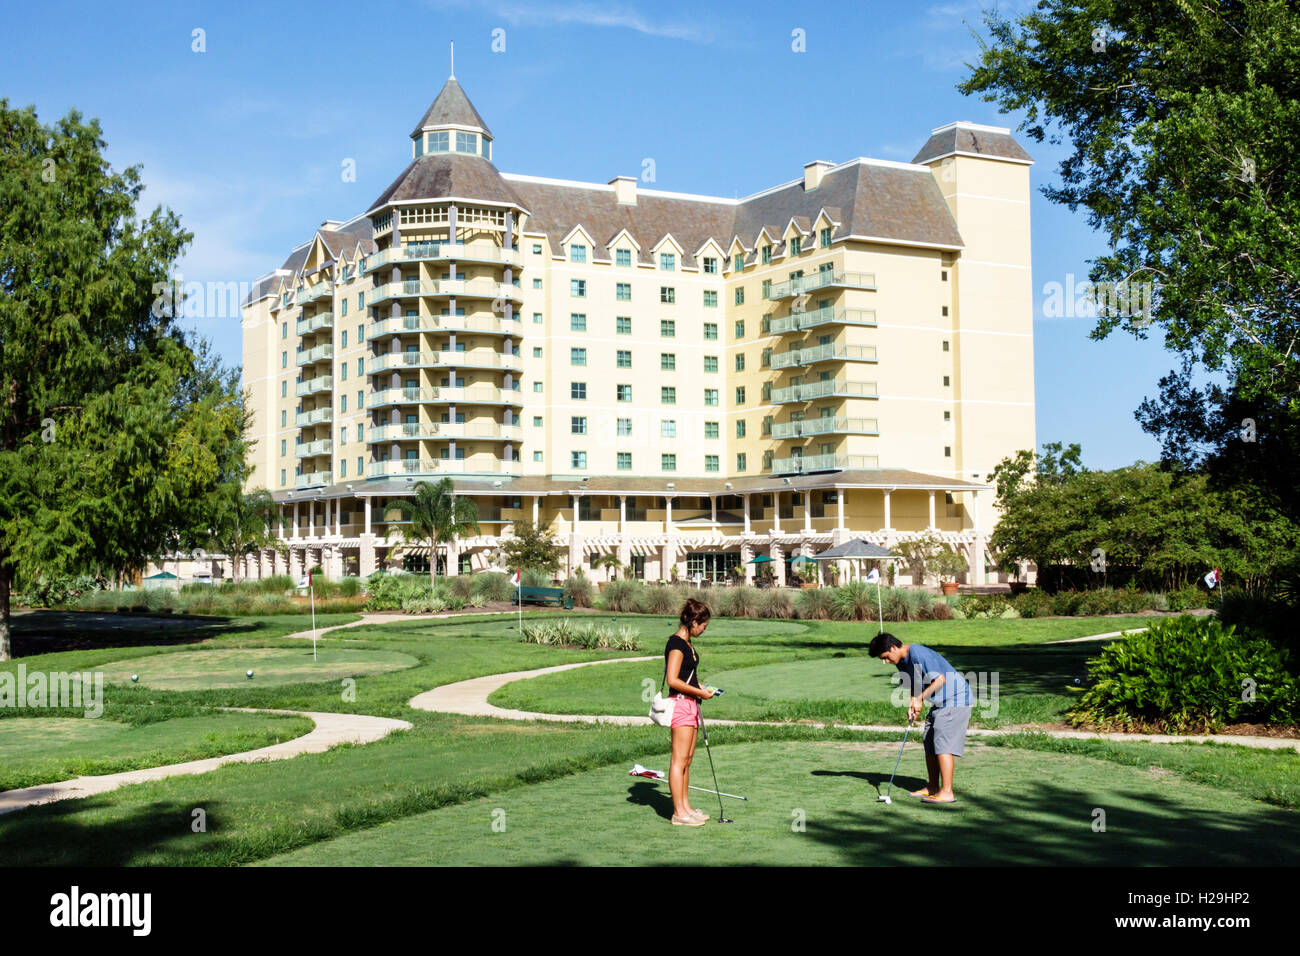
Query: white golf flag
x=874 y=576
x=1212 y=578
x=515 y=579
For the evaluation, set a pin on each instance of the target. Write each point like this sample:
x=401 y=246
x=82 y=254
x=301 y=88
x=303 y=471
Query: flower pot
x=949 y=587
x=1018 y=587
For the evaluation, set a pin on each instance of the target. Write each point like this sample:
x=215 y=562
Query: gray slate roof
x=449 y=174
x=451 y=106
x=963 y=139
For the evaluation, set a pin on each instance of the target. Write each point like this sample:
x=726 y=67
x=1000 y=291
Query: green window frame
x=767 y=254
x=624 y=461
x=710 y=299
x=667 y=395
x=667 y=362
x=668 y=462
x=740 y=428
x=578 y=425
x=624 y=358
x=740 y=395
x=577 y=356
x=667 y=328
x=622 y=257
x=742 y=461
x=740 y=295
x=623 y=325
x=710 y=364
x=578 y=288
x=710 y=331
x=623 y=393
x=624 y=427
x=667 y=295
x=710 y=462
x=710 y=429
x=668 y=262
x=740 y=361
x=577 y=252
x=711 y=397
x=825 y=237
x=577 y=321
x=623 y=291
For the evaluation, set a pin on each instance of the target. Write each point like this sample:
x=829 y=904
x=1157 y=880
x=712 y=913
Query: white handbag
x=662 y=708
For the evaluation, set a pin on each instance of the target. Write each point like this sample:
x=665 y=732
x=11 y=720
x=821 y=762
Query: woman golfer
x=681 y=670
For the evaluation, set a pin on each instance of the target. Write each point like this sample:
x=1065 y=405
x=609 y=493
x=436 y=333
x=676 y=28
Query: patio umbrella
x=803 y=559
x=761 y=559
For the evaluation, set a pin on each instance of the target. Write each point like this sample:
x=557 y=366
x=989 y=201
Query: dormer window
x=622 y=257
x=466 y=142
x=667 y=261
x=795 y=245
x=439 y=142
x=577 y=252
x=767 y=254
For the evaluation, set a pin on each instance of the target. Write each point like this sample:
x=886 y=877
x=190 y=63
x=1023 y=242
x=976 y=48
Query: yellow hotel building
x=684 y=381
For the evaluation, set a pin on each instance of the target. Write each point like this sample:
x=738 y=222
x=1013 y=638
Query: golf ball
x=134 y=678
x=1077 y=681
x=250 y=675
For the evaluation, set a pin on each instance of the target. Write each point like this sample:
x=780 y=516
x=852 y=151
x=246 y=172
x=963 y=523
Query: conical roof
x=451 y=107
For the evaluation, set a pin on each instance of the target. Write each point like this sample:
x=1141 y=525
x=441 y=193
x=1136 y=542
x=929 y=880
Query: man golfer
x=928 y=676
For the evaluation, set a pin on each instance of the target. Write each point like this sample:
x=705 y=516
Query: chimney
x=624 y=190
x=813 y=173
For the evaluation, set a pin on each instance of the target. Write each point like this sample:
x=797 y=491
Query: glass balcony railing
x=830 y=352
x=322 y=383
x=485 y=323
x=443 y=251
x=319 y=354
x=443 y=431
x=811 y=391
x=313 y=292
x=827 y=315
x=312 y=480
x=807 y=463
x=314 y=417
x=442 y=466
x=822 y=279
x=829 y=425
x=321 y=320
x=476 y=358
x=309 y=449
x=478 y=288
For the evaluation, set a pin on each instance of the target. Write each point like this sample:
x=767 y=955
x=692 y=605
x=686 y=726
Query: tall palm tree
x=437 y=516
x=247 y=526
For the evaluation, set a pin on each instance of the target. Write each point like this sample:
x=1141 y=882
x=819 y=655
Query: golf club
x=721 y=818
x=885 y=797
x=658 y=777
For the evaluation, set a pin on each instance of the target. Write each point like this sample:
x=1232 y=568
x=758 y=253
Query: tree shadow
x=650 y=795
x=874 y=778
x=48 y=632
x=1025 y=669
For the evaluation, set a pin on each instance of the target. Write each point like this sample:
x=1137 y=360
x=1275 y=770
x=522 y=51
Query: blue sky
x=247 y=140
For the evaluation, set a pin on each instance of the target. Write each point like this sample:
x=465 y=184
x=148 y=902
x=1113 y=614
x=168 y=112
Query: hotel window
x=537 y=421
x=344 y=343
x=577 y=253
x=284 y=449
x=466 y=142
x=537 y=248
x=361 y=400
x=282 y=476
x=710 y=429
x=578 y=425
x=343 y=368
x=361 y=365
x=740 y=395
x=578 y=391
x=667 y=362
x=361 y=300
x=945 y=345
x=667 y=328
x=740 y=328
x=711 y=397
x=439 y=142
x=740 y=428
x=796 y=245
x=947 y=416
x=710 y=331
x=623 y=291
x=667 y=261
x=767 y=391
x=284 y=330
x=668 y=462
x=947 y=451
x=710 y=266
x=361 y=333
x=667 y=294
x=537 y=386
x=766 y=291
x=945 y=310
x=537 y=318
x=738 y=262
x=766 y=359
x=623 y=325
x=945 y=381
x=537 y=352
x=624 y=427
x=622 y=257
x=343 y=403
x=742 y=462
x=578 y=460
x=825 y=237
x=668 y=428
x=343 y=435
x=624 y=461
x=537 y=456
x=767 y=461
x=765 y=324
x=667 y=396
x=284 y=389
x=284 y=360
x=767 y=425
x=577 y=356
x=577 y=322
x=740 y=295
x=361 y=432
x=943 y=275
x=624 y=358
x=577 y=288
x=624 y=393
x=710 y=363
x=740 y=361
x=710 y=462
x=344 y=304
x=710 y=299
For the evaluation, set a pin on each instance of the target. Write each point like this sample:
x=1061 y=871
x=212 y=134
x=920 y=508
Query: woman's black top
x=689 y=673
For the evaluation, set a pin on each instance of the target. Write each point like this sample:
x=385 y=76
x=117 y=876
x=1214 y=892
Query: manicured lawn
x=206 y=669
x=1014 y=809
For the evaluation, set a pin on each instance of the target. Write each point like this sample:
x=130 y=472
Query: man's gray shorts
x=945 y=730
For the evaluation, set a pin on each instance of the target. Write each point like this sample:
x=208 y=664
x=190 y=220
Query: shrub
x=1033 y=603
x=1187 y=674
x=267 y=604
x=460 y=586
x=662 y=599
x=1186 y=598
x=778 y=603
x=942 y=611
x=740 y=601
x=578 y=589
x=983 y=605
x=350 y=586
x=1271 y=616
x=1066 y=603
x=533 y=578
x=855 y=601
x=624 y=595
x=495 y=587
x=817 y=604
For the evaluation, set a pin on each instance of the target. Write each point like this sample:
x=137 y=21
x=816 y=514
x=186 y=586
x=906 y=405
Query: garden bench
x=530 y=595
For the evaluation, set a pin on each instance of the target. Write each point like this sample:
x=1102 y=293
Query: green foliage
x=537 y=578
x=531 y=549
x=740 y=601
x=1188 y=674
x=776 y=602
x=815 y=604
x=578 y=589
x=494 y=587
x=56 y=589
x=437 y=515
x=461 y=586
x=387 y=592
x=663 y=599
x=983 y=605
x=590 y=635
x=350 y=586
x=855 y=601
x=625 y=596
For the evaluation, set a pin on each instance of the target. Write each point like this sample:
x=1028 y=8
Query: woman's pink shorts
x=686 y=711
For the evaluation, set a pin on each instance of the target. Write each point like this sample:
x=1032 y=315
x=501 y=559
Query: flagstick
x=312 y=591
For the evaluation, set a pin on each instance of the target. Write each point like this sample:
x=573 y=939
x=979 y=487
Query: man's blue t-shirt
x=923 y=666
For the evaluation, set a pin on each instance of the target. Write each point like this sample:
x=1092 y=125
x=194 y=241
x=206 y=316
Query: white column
x=776 y=512
x=537 y=501
x=713 y=509
x=295 y=520
x=839 y=508
x=577 y=502
x=367 y=514
x=746 y=500
x=931 y=510
x=281 y=520
x=807 y=510
x=311 y=518
x=622 y=514
x=975 y=507
x=668 y=515
x=887 y=525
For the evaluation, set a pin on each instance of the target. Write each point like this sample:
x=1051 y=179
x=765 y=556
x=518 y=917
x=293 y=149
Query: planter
x=1018 y=587
x=949 y=588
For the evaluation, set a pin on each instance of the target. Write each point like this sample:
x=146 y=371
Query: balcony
x=310 y=449
x=822 y=279
x=478 y=288
x=313 y=292
x=322 y=383
x=485 y=323
x=443 y=431
x=314 y=417
x=319 y=354
x=442 y=466
x=444 y=251
x=471 y=395
x=802 y=465
x=827 y=315
x=829 y=425
x=477 y=358
x=811 y=391
x=321 y=320
x=830 y=352
x=312 y=480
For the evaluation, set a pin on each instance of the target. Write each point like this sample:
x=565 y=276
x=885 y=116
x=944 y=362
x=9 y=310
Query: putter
x=885 y=797
x=721 y=818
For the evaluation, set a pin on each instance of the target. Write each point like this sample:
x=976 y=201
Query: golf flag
x=1213 y=578
x=515 y=580
x=305 y=582
x=874 y=576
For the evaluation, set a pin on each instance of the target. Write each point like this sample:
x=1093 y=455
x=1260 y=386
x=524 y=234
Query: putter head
x=885 y=798
x=725 y=820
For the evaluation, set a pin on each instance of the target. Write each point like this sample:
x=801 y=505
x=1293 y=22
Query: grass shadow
x=648 y=795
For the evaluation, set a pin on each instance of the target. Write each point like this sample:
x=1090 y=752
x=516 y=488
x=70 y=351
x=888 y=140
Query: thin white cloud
x=615 y=15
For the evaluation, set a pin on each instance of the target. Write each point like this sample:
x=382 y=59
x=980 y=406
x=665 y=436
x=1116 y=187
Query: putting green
x=32 y=736
x=271 y=666
x=852 y=678
x=815 y=804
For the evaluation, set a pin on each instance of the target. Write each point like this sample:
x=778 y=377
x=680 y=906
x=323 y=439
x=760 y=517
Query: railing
x=322 y=383
x=426 y=251
x=401 y=396
x=481 y=288
x=443 y=430
x=310 y=449
x=808 y=463
x=447 y=359
x=810 y=391
x=444 y=323
x=321 y=320
x=468 y=395
x=318 y=354
x=449 y=466
x=829 y=425
x=313 y=292
x=830 y=352
x=315 y=416
x=827 y=315
x=822 y=279
x=315 y=478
